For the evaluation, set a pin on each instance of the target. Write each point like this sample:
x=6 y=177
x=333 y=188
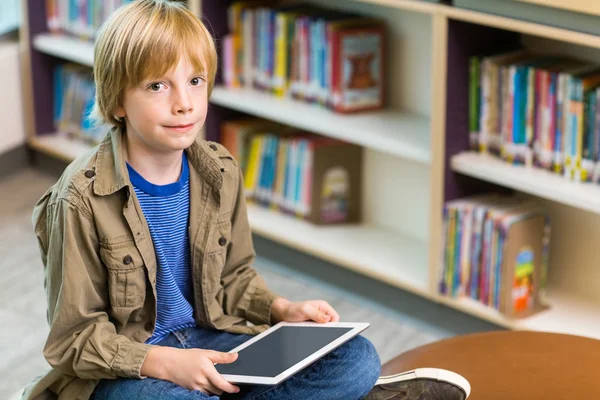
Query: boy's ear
x=120 y=112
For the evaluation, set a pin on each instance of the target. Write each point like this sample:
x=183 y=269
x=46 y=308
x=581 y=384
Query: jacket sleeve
x=82 y=341
x=246 y=294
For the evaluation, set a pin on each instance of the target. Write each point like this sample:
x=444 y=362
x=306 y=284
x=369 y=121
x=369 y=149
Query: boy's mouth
x=180 y=128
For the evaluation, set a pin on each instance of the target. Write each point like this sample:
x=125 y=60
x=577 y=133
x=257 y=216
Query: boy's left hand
x=312 y=310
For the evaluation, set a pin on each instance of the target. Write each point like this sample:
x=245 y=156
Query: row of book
x=309 y=53
x=74 y=92
x=311 y=177
x=80 y=18
x=495 y=251
x=537 y=110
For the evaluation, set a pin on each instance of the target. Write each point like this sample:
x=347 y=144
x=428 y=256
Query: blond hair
x=144 y=39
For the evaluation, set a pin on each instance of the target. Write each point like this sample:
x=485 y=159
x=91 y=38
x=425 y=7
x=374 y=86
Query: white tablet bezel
x=357 y=327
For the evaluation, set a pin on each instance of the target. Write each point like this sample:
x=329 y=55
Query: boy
x=146 y=242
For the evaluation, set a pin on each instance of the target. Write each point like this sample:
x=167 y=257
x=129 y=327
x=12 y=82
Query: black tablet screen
x=281 y=350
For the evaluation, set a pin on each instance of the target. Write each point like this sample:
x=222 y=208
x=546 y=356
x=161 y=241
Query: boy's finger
x=220 y=383
x=212 y=389
x=221 y=357
x=328 y=309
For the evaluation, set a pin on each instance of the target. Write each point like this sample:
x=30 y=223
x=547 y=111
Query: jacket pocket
x=216 y=254
x=126 y=274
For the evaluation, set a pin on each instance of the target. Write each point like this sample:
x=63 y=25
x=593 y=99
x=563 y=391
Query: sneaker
x=421 y=384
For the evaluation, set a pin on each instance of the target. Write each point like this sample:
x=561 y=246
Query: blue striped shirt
x=166 y=208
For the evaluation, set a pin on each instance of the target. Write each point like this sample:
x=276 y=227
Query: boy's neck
x=158 y=169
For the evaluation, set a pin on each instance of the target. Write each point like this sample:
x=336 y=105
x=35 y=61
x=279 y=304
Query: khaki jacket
x=100 y=265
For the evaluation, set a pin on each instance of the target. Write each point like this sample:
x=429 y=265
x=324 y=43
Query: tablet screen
x=281 y=350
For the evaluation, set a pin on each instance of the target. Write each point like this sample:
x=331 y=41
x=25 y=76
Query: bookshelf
x=528 y=180
x=416 y=152
x=65 y=47
x=401 y=134
x=372 y=251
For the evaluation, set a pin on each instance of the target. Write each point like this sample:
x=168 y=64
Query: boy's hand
x=312 y=310
x=192 y=369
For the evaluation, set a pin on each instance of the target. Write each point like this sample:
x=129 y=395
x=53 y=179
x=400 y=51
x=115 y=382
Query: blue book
x=288 y=177
x=298 y=167
x=272 y=167
x=59 y=89
x=271 y=26
x=457 y=248
x=498 y=267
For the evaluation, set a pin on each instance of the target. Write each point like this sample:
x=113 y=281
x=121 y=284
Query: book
x=536 y=110
x=313 y=54
x=495 y=252
x=301 y=174
x=73 y=96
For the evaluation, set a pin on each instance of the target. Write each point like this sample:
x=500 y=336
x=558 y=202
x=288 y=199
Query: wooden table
x=514 y=365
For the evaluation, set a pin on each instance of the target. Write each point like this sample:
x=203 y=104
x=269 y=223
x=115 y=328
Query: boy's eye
x=155 y=87
x=196 y=81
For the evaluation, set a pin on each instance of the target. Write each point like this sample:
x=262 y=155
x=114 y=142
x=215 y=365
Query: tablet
x=284 y=349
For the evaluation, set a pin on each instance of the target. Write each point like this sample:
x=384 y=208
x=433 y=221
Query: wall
x=12 y=130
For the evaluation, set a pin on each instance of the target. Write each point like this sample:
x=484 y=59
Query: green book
x=474 y=95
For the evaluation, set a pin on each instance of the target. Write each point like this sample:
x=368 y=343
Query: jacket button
x=214 y=147
x=89 y=173
x=222 y=241
x=148 y=326
x=127 y=260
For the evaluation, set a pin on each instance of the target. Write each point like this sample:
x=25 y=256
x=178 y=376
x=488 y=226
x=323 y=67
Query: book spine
x=474 y=111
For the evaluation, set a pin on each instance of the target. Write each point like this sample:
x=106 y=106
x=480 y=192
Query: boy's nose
x=183 y=104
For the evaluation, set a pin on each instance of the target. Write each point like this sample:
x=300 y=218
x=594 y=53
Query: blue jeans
x=348 y=372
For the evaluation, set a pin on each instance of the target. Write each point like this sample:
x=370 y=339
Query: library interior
x=416 y=165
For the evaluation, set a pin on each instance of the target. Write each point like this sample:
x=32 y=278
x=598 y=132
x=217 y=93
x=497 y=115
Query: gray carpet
x=23 y=301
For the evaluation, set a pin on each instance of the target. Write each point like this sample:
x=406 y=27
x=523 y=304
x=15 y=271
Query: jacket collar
x=111 y=169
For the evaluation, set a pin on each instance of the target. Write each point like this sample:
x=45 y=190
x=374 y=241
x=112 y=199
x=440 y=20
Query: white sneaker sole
x=435 y=374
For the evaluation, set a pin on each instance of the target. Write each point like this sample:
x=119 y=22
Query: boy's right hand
x=192 y=369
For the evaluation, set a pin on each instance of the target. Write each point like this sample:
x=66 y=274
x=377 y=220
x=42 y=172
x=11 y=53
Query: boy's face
x=165 y=114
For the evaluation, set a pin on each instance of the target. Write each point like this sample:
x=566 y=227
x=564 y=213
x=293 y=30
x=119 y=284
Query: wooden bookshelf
x=582 y=6
x=383 y=255
x=401 y=134
x=569 y=313
x=531 y=28
x=65 y=47
x=59 y=146
x=534 y=181
x=416 y=156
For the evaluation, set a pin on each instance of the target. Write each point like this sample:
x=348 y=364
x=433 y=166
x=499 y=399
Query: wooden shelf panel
x=59 y=146
x=389 y=257
x=65 y=47
x=533 y=181
x=401 y=134
x=422 y=6
x=515 y=25
x=569 y=314
x=582 y=6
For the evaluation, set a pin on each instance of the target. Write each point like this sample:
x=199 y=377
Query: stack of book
x=537 y=110
x=495 y=251
x=311 y=177
x=74 y=93
x=79 y=18
x=317 y=55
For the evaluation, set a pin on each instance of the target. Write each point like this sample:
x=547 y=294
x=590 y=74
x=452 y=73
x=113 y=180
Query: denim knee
x=366 y=365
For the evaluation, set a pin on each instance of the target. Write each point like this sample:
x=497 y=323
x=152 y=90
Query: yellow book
x=253 y=170
x=282 y=38
x=238 y=60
